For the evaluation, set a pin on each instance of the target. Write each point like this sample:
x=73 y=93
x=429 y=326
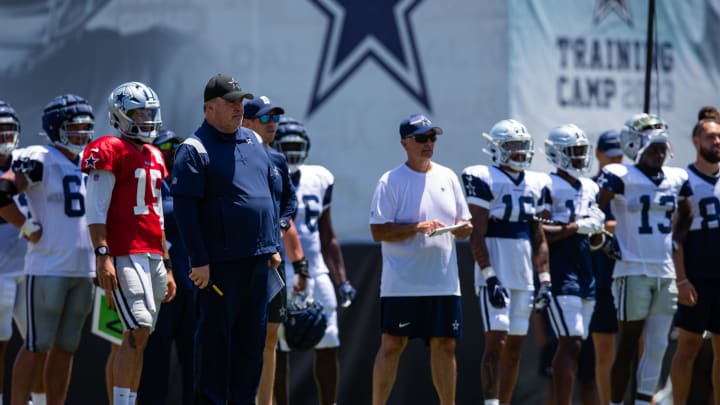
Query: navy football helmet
x=304 y=327
x=9 y=128
x=291 y=139
x=134 y=110
x=61 y=117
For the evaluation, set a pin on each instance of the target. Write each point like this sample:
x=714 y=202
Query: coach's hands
x=200 y=276
x=105 y=271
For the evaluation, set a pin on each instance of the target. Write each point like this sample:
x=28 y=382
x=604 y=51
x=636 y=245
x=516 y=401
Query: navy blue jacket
x=222 y=190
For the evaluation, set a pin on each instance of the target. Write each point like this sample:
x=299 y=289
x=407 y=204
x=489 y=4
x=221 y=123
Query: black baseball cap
x=226 y=87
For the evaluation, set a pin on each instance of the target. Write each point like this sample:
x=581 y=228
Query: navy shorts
x=422 y=317
x=705 y=315
x=604 y=318
x=277 y=307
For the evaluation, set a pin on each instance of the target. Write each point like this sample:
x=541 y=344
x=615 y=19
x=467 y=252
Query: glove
x=589 y=225
x=497 y=294
x=595 y=212
x=611 y=248
x=347 y=293
x=542 y=299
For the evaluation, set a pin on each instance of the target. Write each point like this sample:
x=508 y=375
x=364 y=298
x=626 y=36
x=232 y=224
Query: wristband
x=488 y=272
x=599 y=245
x=28 y=228
x=301 y=267
x=168 y=264
x=684 y=281
x=544 y=277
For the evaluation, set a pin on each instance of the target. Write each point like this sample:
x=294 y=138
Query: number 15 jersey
x=512 y=202
x=134 y=217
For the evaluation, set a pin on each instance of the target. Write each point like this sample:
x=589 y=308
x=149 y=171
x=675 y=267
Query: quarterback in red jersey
x=125 y=221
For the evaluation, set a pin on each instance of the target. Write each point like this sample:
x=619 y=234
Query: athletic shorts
x=570 y=315
x=10 y=304
x=142 y=283
x=705 y=315
x=513 y=319
x=56 y=311
x=638 y=297
x=422 y=317
x=604 y=318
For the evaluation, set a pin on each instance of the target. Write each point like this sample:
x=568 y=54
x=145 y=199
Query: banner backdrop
x=583 y=62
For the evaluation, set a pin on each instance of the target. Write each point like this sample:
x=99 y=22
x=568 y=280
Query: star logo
x=469 y=187
x=234 y=84
x=90 y=161
x=456 y=325
x=371 y=30
x=605 y=7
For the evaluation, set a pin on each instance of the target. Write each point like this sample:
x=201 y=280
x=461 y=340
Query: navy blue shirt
x=223 y=200
x=178 y=251
x=284 y=189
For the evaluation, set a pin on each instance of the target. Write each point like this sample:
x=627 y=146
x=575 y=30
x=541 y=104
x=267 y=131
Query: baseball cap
x=417 y=124
x=609 y=143
x=260 y=106
x=226 y=87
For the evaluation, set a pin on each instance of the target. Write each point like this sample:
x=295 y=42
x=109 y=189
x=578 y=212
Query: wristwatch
x=284 y=224
x=102 y=250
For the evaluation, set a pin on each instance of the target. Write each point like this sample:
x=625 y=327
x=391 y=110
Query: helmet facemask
x=295 y=148
x=9 y=134
x=568 y=149
x=76 y=133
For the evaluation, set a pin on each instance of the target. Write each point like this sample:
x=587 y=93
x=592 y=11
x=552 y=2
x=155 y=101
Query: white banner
x=583 y=62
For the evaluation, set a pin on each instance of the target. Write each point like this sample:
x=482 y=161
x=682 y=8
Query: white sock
x=121 y=396
x=132 y=398
x=615 y=403
x=38 y=398
x=641 y=402
x=492 y=401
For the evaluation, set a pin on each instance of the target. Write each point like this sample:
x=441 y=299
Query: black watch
x=102 y=250
x=284 y=224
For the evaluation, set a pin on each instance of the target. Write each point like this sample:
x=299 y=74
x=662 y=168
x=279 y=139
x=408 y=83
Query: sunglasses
x=168 y=146
x=423 y=138
x=265 y=118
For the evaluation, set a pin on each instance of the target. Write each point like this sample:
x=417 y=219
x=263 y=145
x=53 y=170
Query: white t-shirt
x=420 y=265
x=57 y=203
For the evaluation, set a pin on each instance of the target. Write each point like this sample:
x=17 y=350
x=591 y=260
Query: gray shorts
x=56 y=311
x=638 y=297
x=141 y=289
x=11 y=304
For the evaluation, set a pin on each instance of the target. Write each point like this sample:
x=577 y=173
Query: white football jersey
x=705 y=201
x=12 y=248
x=567 y=203
x=512 y=203
x=419 y=265
x=643 y=208
x=314 y=194
x=57 y=203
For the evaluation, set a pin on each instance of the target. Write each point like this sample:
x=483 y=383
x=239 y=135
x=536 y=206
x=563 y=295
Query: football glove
x=347 y=293
x=497 y=294
x=589 y=225
x=542 y=299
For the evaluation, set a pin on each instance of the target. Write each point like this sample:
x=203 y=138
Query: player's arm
x=97 y=202
x=170 y=286
x=479 y=221
x=541 y=253
x=681 y=226
x=14 y=182
x=332 y=255
x=294 y=253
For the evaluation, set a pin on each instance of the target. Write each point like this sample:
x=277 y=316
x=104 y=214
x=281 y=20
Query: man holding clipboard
x=420 y=290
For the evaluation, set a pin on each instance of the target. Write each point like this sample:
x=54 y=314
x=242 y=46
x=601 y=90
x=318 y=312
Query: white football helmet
x=10 y=131
x=135 y=96
x=510 y=144
x=567 y=148
x=640 y=131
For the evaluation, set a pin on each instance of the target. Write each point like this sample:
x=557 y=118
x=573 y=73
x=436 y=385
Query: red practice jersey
x=133 y=219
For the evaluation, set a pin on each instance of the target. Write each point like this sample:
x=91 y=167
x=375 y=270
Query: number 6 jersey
x=134 y=217
x=56 y=198
x=314 y=185
x=643 y=208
